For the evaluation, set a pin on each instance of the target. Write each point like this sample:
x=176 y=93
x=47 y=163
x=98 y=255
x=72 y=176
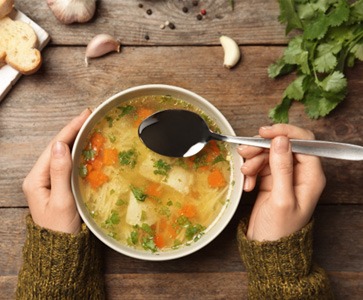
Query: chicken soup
x=145 y=200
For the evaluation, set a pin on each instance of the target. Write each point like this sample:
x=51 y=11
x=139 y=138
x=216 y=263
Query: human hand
x=47 y=187
x=290 y=185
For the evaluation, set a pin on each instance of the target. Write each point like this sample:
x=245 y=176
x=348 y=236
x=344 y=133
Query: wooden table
x=191 y=57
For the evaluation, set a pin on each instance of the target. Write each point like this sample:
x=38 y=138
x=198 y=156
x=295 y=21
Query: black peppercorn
x=149 y=11
x=147 y=37
x=185 y=9
x=199 y=17
x=140 y=5
x=171 y=25
x=195 y=2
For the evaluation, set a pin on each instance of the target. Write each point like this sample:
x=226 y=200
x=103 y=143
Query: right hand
x=290 y=185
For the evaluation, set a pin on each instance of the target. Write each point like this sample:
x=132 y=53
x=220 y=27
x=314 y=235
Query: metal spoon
x=182 y=133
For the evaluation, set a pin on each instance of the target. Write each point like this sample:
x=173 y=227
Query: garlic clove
x=72 y=11
x=101 y=44
x=6 y=6
x=231 y=50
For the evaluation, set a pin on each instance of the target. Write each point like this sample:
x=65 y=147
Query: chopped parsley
x=138 y=193
x=193 y=231
x=161 y=167
x=113 y=219
x=128 y=158
x=125 y=110
x=83 y=171
x=89 y=154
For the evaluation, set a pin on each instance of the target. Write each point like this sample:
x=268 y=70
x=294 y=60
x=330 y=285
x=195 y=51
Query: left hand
x=48 y=188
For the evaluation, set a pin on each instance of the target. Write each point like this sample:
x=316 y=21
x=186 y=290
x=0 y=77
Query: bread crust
x=18 y=43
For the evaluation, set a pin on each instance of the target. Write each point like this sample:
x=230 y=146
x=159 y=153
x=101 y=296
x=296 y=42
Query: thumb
x=60 y=171
x=281 y=165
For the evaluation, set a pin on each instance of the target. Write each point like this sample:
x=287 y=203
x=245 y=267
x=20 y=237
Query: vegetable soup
x=145 y=200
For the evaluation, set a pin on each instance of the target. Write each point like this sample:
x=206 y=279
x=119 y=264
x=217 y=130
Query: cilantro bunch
x=330 y=37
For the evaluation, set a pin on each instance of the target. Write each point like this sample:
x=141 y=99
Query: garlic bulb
x=100 y=45
x=232 y=53
x=6 y=6
x=73 y=11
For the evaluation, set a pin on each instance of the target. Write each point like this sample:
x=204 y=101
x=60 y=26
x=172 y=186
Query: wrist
x=281 y=258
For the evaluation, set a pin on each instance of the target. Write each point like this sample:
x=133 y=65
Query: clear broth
x=145 y=200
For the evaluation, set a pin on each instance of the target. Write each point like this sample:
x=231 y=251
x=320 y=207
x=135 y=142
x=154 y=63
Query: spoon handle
x=310 y=147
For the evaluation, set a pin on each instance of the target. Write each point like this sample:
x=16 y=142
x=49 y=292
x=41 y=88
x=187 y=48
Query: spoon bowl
x=183 y=133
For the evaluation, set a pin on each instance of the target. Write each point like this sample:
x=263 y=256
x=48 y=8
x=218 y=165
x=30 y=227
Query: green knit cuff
x=288 y=257
x=283 y=269
x=59 y=265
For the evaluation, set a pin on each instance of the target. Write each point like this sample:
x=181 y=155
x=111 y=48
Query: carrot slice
x=159 y=241
x=97 y=141
x=96 y=178
x=142 y=114
x=216 y=179
x=188 y=210
x=110 y=156
x=154 y=190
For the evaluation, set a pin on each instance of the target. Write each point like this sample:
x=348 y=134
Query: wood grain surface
x=190 y=57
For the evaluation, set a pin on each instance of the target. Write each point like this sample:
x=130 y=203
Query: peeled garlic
x=100 y=45
x=232 y=53
x=73 y=11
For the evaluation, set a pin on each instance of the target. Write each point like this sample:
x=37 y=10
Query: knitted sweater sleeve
x=283 y=269
x=59 y=265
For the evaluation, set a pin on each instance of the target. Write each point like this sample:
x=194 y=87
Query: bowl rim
x=223 y=219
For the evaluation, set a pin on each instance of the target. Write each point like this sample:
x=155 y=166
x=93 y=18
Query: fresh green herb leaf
x=331 y=38
x=128 y=158
x=138 y=193
x=125 y=110
x=148 y=244
x=112 y=138
x=192 y=231
x=113 y=219
x=83 y=171
x=334 y=83
x=134 y=237
x=289 y=15
x=161 y=167
x=146 y=228
x=109 y=120
x=89 y=154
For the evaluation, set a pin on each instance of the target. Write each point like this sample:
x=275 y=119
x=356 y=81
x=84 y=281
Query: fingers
x=40 y=171
x=60 y=172
x=292 y=132
x=257 y=159
x=282 y=169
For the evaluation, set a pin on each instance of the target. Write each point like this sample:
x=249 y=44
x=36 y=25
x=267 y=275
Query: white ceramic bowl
x=235 y=191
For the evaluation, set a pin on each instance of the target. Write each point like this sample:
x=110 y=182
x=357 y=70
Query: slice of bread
x=18 y=43
x=6 y=6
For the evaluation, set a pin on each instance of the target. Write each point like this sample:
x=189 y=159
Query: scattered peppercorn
x=162 y=26
x=149 y=11
x=171 y=25
x=195 y=2
x=203 y=12
x=199 y=17
x=141 y=5
x=185 y=9
x=147 y=37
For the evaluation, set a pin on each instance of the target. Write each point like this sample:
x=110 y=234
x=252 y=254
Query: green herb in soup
x=143 y=199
